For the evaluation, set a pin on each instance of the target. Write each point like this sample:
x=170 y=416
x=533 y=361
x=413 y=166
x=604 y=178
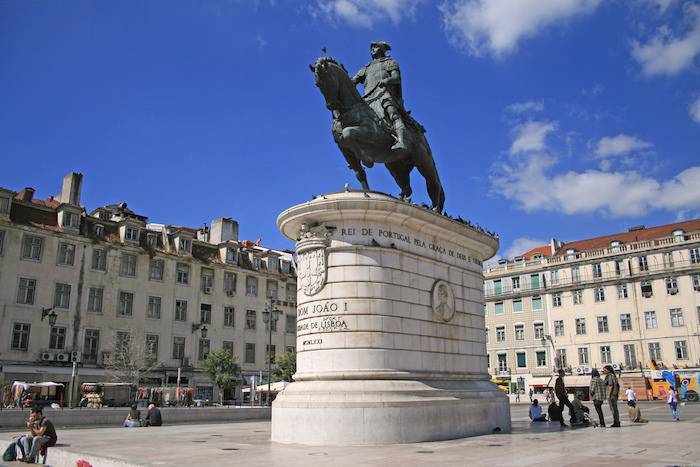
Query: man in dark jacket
x=613 y=393
x=153 y=418
x=563 y=396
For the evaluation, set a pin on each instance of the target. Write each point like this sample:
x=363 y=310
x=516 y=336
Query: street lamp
x=557 y=360
x=270 y=317
x=202 y=327
x=48 y=312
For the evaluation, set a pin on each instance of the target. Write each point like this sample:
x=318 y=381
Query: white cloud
x=528 y=177
x=364 y=13
x=531 y=136
x=497 y=26
x=527 y=106
x=694 y=110
x=619 y=145
x=666 y=54
x=522 y=245
x=662 y=4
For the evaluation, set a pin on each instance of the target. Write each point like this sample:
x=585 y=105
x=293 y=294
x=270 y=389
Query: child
x=673 y=403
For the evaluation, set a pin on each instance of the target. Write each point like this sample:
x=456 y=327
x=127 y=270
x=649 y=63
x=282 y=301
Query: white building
x=114 y=280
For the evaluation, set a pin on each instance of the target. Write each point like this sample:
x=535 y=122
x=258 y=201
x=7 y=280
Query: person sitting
x=24 y=443
x=44 y=435
x=635 y=413
x=153 y=417
x=580 y=410
x=536 y=414
x=554 y=412
x=133 y=419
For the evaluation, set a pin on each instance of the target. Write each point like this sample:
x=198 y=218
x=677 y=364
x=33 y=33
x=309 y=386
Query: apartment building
x=622 y=299
x=86 y=287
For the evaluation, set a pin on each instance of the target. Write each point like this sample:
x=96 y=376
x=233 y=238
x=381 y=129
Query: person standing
x=673 y=403
x=517 y=395
x=597 y=391
x=563 y=396
x=530 y=393
x=613 y=393
x=631 y=396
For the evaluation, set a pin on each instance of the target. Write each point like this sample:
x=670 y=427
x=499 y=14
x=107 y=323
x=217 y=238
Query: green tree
x=223 y=371
x=285 y=367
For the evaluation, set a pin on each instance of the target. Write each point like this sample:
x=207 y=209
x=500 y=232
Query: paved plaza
x=660 y=442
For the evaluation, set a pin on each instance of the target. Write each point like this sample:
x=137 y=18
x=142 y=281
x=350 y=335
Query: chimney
x=26 y=194
x=223 y=230
x=554 y=246
x=70 y=192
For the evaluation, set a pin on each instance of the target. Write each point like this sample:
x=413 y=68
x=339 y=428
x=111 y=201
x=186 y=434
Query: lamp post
x=203 y=329
x=270 y=317
x=48 y=312
x=557 y=361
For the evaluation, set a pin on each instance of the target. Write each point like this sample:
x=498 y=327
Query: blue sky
x=547 y=118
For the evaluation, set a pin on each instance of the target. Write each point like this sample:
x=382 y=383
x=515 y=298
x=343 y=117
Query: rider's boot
x=400 y=128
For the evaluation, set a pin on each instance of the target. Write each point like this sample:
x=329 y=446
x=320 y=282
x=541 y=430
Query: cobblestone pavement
x=660 y=442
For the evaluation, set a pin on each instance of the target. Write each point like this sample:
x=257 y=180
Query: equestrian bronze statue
x=376 y=128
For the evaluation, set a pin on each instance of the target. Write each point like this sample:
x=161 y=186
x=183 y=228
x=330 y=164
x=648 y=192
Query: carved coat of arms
x=311 y=270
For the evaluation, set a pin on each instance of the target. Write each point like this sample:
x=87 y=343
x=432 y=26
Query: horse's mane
x=328 y=59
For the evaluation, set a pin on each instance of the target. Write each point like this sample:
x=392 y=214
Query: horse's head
x=330 y=77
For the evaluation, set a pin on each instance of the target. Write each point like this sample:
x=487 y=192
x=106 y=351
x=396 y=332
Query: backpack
x=10 y=453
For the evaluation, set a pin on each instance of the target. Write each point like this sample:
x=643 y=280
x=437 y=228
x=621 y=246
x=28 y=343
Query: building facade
x=623 y=299
x=164 y=295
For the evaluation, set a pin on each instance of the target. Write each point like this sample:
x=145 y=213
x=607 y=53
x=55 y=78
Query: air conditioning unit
x=76 y=356
x=62 y=357
x=207 y=290
x=580 y=370
x=586 y=370
x=617 y=366
x=673 y=291
x=48 y=356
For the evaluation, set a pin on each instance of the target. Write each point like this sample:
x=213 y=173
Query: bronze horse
x=364 y=137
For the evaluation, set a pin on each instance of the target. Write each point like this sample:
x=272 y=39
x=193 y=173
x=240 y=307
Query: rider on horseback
x=382 y=81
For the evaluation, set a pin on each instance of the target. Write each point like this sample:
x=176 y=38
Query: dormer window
x=678 y=235
x=152 y=240
x=537 y=256
x=70 y=220
x=232 y=255
x=284 y=266
x=131 y=234
x=518 y=259
x=99 y=230
x=570 y=251
x=184 y=245
x=255 y=261
x=272 y=263
x=104 y=215
x=615 y=243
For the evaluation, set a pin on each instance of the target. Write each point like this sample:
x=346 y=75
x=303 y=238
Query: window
x=541 y=358
x=647 y=290
x=630 y=356
x=57 y=338
x=502 y=362
x=20 y=336
x=600 y=294
x=516 y=283
x=558 y=328
x=99 y=259
x=4 y=205
x=205 y=313
x=122 y=341
x=91 y=345
x=650 y=319
x=70 y=220
x=180 y=310
x=206 y=283
x=182 y=275
x=555 y=276
x=580 y=326
x=2 y=241
x=625 y=322
x=127 y=266
x=178 y=348
x=95 y=295
x=290 y=324
x=230 y=283
x=156 y=269
x=539 y=330
x=677 y=317
x=249 y=353
x=497 y=287
x=605 y=355
x=26 y=291
x=291 y=292
x=668 y=260
x=284 y=266
x=619 y=267
x=229 y=317
x=31 y=247
x=534 y=281
x=696 y=282
x=517 y=306
x=536 y=303
x=61 y=298
x=270 y=353
x=154 y=304
x=583 y=356
x=603 y=324
x=231 y=256
x=561 y=356
x=556 y=300
x=622 y=291
x=228 y=347
x=597 y=270
x=575 y=274
x=255 y=262
x=578 y=296
x=152 y=346
x=519 y=332
x=272 y=289
x=694 y=255
x=251 y=286
x=521 y=359
x=126 y=304
x=500 y=334
x=184 y=244
x=681 y=350
x=66 y=254
x=671 y=286
x=498 y=308
x=131 y=234
x=654 y=351
x=643 y=265
x=204 y=348
x=250 y=319
x=152 y=240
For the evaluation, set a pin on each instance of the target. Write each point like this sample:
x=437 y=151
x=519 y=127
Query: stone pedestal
x=391 y=345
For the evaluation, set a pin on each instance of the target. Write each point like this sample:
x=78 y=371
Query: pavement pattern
x=661 y=442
